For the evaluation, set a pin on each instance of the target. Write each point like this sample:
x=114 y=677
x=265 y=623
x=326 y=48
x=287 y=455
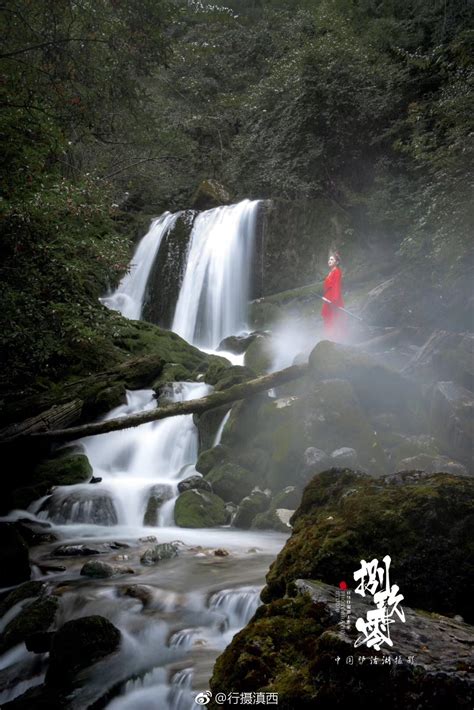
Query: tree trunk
x=195 y=406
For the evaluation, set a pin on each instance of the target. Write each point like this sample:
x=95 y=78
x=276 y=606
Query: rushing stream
x=175 y=617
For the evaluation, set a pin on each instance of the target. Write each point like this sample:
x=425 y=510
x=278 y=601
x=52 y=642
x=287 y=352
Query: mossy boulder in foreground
x=424 y=522
x=290 y=647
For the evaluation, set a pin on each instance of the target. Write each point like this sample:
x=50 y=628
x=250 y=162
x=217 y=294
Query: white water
x=213 y=299
x=197 y=601
x=128 y=298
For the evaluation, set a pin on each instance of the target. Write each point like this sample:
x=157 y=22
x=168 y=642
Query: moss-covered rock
x=269 y=520
x=250 y=506
x=374 y=384
x=194 y=483
x=208 y=425
x=237 y=344
x=199 y=509
x=209 y=194
x=425 y=523
x=234 y=375
x=78 y=644
x=293 y=648
x=31 y=625
x=212 y=457
x=28 y=590
x=259 y=357
x=231 y=482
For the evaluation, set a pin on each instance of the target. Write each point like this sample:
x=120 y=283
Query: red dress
x=333 y=319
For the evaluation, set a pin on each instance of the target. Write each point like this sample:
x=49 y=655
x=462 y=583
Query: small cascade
x=213 y=299
x=128 y=298
x=237 y=605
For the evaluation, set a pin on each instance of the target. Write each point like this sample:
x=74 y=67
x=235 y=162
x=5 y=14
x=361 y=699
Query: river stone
x=27 y=590
x=142 y=592
x=14 y=557
x=237 y=344
x=78 y=644
x=164 y=551
x=199 y=509
x=98 y=569
x=345 y=456
x=250 y=506
x=31 y=625
x=76 y=551
x=194 y=483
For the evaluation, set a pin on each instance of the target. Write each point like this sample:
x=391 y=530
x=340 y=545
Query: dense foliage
x=114 y=105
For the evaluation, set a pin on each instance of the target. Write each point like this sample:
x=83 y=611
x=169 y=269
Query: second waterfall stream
x=177 y=616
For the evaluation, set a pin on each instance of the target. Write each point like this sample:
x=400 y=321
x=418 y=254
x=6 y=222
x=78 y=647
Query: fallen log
x=194 y=406
x=60 y=415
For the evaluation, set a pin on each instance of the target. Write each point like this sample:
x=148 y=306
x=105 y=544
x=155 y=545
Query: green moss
x=211 y=457
x=199 y=509
x=231 y=482
x=425 y=522
x=269 y=520
x=234 y=375
x=250 y=506
x=258 y=356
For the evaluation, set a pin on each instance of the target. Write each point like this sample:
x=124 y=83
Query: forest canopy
x=114 y=109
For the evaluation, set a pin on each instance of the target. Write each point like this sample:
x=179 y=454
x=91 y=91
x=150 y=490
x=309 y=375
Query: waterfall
x=128 y=298
x=213 y=299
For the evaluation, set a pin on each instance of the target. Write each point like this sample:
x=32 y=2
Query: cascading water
x=128 y=297
x=174 y=618
x=213 y=299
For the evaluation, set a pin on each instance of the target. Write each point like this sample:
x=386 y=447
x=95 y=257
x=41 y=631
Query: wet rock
x=164 y=551
x=96 y=479
x=31 y=626
x=34 y=533
x=86 y=506
x=98 y=570
x=250 y=506
x=141 y=592
x=199 y=509
x=76 y=551
x=231 y=482
x=344 y=457
x=148 y=538
x=210 y=458
x=208 y=425
x=220 y=552
x=109 y=398
x=77 y=645
x=14 y=556
x=28 y=590
x=157 y=495
x=452 y=418
x=64 y=470
x=197 y=483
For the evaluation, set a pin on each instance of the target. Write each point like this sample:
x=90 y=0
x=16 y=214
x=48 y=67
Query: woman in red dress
x=332 y=317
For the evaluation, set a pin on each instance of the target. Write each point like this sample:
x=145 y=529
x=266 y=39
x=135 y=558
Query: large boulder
x=250 y=506
x=211 y=457
x=199 y=509
x=424 y=522
x=231 y=482
x=259 y=357
x=78 y=644
x=374 y=384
